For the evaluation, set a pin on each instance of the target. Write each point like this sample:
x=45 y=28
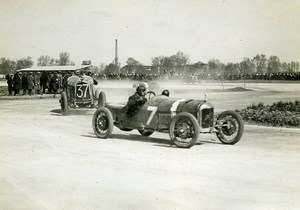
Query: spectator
x=44 y=82
x=17 y=83
x=30 y=81
x=10 y=83
x=55 y=81
x=37 y=82
x=24 y=83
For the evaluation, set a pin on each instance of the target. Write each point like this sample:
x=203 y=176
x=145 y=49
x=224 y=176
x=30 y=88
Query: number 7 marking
x=153 y=110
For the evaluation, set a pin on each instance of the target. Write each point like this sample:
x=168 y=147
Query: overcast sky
x=228 y=30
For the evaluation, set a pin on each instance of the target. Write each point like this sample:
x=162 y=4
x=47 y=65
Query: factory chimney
x=116 y=53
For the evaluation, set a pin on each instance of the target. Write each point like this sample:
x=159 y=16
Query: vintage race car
x=183 y=119
x=80 y=94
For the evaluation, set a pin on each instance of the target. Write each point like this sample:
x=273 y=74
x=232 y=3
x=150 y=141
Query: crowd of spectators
x=30 y=83
x=201 y=76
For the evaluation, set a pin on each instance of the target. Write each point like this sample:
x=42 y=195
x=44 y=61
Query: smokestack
x=116 y=53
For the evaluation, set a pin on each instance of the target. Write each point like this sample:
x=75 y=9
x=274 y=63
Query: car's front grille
x=207 y=117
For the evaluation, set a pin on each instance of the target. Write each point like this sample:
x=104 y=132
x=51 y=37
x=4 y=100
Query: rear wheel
x=184 y=130
x=64 y=103
x=102 y=122
x=230 y=127
x=145 y=132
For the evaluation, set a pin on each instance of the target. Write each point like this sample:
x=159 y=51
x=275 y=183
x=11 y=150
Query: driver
x=136 y=101
x=71 y=82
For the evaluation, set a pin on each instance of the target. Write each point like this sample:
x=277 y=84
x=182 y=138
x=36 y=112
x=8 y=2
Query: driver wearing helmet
x=136 y=101
x=165 y=93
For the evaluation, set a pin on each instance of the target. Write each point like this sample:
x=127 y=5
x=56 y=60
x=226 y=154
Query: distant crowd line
x=29 y=83
x=202 y=76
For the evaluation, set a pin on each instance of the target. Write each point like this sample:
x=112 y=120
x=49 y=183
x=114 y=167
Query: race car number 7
x=153 y=110
x=81 y=92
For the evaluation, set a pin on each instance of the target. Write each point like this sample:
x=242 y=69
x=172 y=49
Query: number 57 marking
x=153 y=110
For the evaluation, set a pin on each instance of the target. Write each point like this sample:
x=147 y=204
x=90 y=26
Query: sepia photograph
x=149 y=104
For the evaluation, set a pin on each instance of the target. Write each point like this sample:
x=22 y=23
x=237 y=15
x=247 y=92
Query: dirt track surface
x=50 y=161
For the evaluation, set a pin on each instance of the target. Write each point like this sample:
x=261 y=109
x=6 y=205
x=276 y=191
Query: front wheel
x=64 y=103
x=230 y=127
x=184 y=130
x=102 y=122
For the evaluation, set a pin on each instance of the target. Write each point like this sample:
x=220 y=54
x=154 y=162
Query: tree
x=169 y=64
x=7 y=66
x=260 y=63
x=44 y=60
x=231 y=69
x=98 y=69
x=132 y=62
x=111 y=69
x=215 y=66
x=274 y=64
x=24 y=63
x=246 y=66
x=180 y=60
x=64 y=59
x=132 y=66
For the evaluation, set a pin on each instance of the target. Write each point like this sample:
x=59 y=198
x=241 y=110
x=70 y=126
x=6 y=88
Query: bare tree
x=44 y=60
x=132 y=62
x=273 y=64
x=260 y=62
x=64 y=59
x=24 y=63
x=7 y=66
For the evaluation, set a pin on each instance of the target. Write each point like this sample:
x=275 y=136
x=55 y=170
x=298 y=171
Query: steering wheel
x=150 y=94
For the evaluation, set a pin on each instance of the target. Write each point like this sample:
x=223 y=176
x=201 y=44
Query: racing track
x=50 y=161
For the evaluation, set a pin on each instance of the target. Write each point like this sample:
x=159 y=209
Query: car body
x=184 y=119
x=79 y=94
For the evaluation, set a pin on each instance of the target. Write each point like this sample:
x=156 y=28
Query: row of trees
x=63 y=60
x=8 y=66
x=178 y=63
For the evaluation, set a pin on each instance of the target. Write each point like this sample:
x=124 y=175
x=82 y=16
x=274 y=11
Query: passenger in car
x=165 y=93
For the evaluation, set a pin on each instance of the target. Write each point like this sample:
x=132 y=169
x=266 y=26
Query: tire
x=102 y=122
x=188 y=135
x=229 y=127
x=64 y=103
x=145 y=132
x=101 y=99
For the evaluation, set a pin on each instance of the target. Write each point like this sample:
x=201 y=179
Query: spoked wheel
x=64 y=103
x=102 y=122
x=184 y=130
x=230 y=127
x=145 y=132
x=149 y=94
